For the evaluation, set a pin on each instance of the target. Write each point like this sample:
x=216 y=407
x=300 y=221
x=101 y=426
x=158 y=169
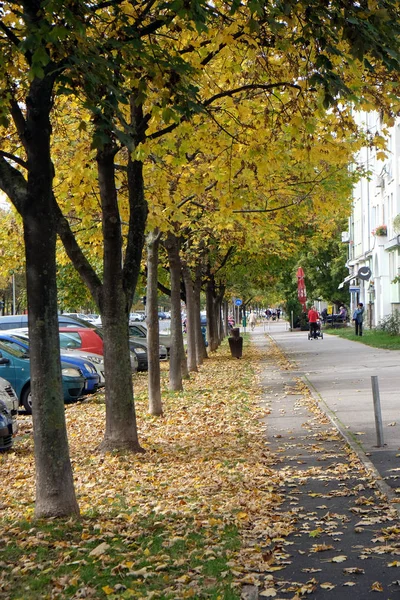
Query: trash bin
x=235 y=343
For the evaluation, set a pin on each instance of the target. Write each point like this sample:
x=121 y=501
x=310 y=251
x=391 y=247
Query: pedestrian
x=313 y=318
x=324 y=315
x=252 y=320
x=358 y=317
x=343 y=313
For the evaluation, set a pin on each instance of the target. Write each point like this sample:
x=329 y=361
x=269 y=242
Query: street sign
x=238 y=302
x=354 y=289
x=364 y=273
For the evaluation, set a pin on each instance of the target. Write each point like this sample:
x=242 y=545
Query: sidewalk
x=339 y=373
x=344 y=542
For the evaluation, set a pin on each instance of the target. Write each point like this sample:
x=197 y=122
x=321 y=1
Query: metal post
x=13 y=293
x=291 y=319
x=377 y=411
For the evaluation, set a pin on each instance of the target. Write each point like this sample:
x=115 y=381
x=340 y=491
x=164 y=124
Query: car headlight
x=90 y=367
x=70 y=372
x=140 y=351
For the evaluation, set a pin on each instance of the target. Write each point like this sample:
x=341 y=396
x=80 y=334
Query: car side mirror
x=3 y=360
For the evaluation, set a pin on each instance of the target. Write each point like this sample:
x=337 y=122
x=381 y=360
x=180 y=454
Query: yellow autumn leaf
x=108 y=590
x=377 y=587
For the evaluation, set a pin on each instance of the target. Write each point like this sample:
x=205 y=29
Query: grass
x=370 y=337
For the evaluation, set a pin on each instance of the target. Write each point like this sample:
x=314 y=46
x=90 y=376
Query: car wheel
x=27 y=399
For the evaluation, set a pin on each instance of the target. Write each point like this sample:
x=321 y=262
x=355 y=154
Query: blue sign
x=353 y=289
x=238 y=302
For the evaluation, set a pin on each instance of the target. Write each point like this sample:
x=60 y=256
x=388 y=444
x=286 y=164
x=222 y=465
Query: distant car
x=136 y=316
x=139 y=330
x=15 y=368
x=162 y=315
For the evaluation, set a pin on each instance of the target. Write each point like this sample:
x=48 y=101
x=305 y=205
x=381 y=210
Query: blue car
x=15 y=368
x=88 y=370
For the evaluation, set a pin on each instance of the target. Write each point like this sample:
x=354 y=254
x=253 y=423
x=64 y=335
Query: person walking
x=252 y=320
x=313 y=318
x=358 y=317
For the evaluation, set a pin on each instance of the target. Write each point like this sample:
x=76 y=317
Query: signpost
x=237 y=302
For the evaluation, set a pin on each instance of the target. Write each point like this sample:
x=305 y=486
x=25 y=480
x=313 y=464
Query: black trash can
x=235 y=343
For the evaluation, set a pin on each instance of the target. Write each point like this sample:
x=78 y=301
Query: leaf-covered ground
x=203 y=513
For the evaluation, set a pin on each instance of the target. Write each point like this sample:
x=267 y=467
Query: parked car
x=9 y=399
x=139 y=330
x=90 y=340
x=68 y=346
x=15 y=368
x=136 y=316
x=87 y=369
x=18 y=321
x=85 y=338
x=6 y=427
x=162 y=315
x=140 y=350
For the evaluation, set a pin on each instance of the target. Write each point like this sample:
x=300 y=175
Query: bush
x=390 y=323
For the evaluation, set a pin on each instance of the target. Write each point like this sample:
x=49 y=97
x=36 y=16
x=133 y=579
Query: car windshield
x=133 y=330
x=14 y=349
x=70 y=340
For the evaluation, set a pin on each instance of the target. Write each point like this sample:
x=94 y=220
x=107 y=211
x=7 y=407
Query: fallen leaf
x=339 y=559
x=100 y=549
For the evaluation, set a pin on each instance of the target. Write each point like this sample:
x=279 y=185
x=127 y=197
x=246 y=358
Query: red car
x=83 y=338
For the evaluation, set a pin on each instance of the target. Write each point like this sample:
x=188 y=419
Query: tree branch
x=14 y=158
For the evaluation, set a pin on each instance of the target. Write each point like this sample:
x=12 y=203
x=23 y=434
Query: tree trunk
x=190 y=320
x=213 y=341
x=177 y=349
x=201 y=351
x=121 y=428
x=55 y=494
x=153 y=329
x=114 y=295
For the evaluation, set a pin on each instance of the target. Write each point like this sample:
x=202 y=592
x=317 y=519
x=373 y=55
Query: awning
x=346 y=280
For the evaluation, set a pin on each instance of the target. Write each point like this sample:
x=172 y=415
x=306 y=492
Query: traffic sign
x=238 y=302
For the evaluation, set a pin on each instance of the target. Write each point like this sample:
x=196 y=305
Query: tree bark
x=153 y=329
x=171 y=244
x=201 y=350
x=212 y=328
x=121 y=428
x=190 y=319
x=55 y=494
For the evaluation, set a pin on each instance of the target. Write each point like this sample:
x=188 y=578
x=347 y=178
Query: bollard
x=377 y=411
x=235 y=343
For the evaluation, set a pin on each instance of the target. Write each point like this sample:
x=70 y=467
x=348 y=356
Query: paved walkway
x=339 y=372
x=344 y=542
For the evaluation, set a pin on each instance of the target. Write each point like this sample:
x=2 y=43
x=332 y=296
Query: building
x=373 y=235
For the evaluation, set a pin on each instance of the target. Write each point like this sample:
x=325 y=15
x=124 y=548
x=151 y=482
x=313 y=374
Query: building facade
x=373 y=235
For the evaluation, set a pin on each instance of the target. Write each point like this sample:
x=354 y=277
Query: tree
x=142 y=70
